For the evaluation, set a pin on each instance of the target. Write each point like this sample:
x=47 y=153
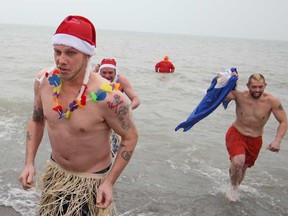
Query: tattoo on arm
x=115 y=103
x=121 y=111
x=280 y=107
x=28 y=136
x=126 y=155
x=122 y=116
x=38 y=115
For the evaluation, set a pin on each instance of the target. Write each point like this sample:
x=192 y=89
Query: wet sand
x=8 y=211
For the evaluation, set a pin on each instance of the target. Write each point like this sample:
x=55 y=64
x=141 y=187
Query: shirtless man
x=244 y=137
x=108 y=70
x=78 y=108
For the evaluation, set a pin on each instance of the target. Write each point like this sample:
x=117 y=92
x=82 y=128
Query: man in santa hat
x=109 y=71
x=79 y=108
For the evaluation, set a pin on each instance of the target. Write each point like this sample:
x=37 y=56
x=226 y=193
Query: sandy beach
x=8 y=211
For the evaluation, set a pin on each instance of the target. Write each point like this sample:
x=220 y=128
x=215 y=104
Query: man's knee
x=238 y=162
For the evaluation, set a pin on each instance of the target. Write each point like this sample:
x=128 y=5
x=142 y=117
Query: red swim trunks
x=237 y=144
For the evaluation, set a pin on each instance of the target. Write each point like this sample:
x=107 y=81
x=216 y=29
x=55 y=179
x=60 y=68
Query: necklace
x=81 y=100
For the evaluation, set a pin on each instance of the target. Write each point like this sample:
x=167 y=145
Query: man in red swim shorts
x=244 y=137
x=238 y=144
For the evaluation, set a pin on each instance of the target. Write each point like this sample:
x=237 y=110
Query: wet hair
x=257 y=77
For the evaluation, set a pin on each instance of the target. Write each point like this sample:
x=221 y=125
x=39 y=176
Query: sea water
x=171 y=173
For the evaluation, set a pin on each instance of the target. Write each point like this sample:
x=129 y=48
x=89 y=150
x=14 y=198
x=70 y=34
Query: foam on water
x=171 y=173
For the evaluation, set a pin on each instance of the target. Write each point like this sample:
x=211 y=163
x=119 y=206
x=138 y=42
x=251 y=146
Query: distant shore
x=8 y=211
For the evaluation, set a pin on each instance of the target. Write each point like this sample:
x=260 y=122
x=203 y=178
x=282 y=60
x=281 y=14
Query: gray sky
x=256 y=19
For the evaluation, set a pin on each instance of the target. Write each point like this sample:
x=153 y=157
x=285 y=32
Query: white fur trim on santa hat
x=108 y=66
x=77 y=43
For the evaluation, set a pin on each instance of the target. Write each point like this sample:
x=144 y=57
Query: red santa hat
x=77 y=32
x=110 y=63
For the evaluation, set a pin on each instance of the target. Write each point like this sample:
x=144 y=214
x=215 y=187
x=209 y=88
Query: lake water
x=171 y=173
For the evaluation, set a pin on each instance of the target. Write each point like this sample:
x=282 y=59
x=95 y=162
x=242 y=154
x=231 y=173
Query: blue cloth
x=213 y=98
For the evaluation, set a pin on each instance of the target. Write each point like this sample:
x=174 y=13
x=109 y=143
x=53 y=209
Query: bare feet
x=232 y=194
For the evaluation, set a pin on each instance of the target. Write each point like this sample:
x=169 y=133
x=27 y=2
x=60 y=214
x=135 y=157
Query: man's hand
x=26 y=178
x=104 y=195
x=274 y=146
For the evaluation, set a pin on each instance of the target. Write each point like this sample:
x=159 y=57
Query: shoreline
x=8 y=211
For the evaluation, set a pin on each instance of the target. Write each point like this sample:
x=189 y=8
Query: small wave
x=24 y=202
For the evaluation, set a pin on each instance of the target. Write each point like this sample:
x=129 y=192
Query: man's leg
x=236 y=170
x=243 y=174
x=237 y=173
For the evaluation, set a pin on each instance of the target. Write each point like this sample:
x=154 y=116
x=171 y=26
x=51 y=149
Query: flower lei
x=81 y=100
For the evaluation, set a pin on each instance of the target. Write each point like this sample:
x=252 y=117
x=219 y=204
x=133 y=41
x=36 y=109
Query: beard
x=256 y=95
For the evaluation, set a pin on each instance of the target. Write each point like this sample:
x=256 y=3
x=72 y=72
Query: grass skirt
x=70 y=193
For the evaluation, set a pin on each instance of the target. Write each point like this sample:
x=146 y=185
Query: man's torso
x=80 y=143
x=252 y=114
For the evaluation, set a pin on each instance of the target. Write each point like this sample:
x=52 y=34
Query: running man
x=244 y=137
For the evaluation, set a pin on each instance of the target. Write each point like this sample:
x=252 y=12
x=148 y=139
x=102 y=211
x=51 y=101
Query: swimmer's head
x=257 y=77
x=256 y=85
x=108 y=69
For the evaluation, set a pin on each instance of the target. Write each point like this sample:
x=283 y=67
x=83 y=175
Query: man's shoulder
x=41 y=73
x=122 y=78
x=97 y=80
x=241 y=92
x=272 y=99
x=268 y=95
x=42 y=76
x=115 y=100
x=237 y=93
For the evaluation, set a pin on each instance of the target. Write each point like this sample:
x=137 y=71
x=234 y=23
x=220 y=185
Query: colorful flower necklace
x=81 y=99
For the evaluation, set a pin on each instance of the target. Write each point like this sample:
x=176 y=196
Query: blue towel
x=215 y=95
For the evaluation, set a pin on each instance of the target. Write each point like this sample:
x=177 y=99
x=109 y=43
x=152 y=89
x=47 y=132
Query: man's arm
x=172 y=68
x=233 y=93
x=157 y=66
x=231 y=96
x=119 y=118
x=128 y=90
x=35 y=131
x=281 y=117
